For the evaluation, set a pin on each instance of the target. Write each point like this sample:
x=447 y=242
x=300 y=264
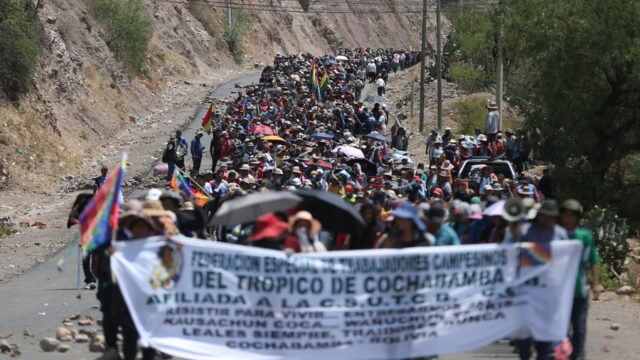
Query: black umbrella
x=335 y=213
x=378 y=137
x=273 y=91
x=352 y=161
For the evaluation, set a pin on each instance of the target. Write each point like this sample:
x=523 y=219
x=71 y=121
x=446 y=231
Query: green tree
x=472 y=112
x=469 y=78
x=128 y=30
x=468 y=53
x=233 y=34
x=576 y=78
x=18 y=48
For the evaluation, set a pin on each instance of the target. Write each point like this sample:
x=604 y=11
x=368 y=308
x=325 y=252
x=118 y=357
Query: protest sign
x=206 y=300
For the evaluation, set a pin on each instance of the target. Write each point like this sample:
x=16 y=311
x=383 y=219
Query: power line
x=287 y=9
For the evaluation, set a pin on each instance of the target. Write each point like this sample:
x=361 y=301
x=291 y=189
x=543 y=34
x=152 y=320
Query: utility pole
x=461 y=4
x=500 y=65
x=423 y=56
x=229 y=15
x=439 y=62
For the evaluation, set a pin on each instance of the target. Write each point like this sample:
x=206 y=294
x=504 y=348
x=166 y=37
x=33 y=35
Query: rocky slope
x=81 y=97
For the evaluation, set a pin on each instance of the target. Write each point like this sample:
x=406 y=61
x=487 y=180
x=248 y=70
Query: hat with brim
x=408 y=211
x=128 y=219
x=447 y=165
x=269 y=227
x=476 y=212
x=169 y=194
x=549 y=208
x=305 y=216
x=573 y=205
x=154 y=208
x=249 y=180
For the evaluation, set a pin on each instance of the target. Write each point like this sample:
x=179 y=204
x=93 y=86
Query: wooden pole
x=423 y=55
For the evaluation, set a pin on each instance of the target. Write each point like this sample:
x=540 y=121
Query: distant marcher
x=491 y=126
x=570 y=215
x=196 y=151
x=380 y=83
x=97 y=182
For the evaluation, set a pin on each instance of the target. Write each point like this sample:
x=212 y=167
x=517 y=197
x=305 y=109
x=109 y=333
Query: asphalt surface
x=40 y=299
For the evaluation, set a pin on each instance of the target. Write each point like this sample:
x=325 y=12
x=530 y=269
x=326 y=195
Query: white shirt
x=491 y=122
x=371 y=67
x=380 y=82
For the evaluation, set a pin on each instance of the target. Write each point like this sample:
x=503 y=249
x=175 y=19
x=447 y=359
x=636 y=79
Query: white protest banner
x=204 y=300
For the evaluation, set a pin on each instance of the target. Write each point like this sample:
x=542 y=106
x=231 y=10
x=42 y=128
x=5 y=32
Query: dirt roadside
x=174 y=109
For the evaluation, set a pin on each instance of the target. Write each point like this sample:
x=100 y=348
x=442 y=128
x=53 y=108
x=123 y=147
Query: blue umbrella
x=378 y=137
x=322 y=135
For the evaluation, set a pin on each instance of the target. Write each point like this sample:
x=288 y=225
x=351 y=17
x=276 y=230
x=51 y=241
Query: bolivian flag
x=207 y=120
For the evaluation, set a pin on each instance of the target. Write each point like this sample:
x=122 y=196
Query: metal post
x=500 y=66
x=229 y=15
x=423 y=55
x=439 y=62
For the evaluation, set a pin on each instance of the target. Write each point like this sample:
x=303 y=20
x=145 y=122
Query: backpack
x=166 y=155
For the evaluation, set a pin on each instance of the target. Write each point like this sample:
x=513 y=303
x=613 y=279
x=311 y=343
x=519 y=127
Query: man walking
x=571 y=211
x=196 y=151
x=381 y=86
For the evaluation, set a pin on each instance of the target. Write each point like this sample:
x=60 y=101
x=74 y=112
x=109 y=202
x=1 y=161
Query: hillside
x=82 y=98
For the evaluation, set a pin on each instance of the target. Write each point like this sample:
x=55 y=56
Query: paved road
x=41 y=298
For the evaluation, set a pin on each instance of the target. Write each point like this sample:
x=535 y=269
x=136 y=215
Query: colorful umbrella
x=262 y=129
x=276 y=140
x=321 y=163
x=349 y=151
x=322 y=135
x=378 y=137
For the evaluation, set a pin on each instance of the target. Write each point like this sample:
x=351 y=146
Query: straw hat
x=447 y=165
x=306 y=216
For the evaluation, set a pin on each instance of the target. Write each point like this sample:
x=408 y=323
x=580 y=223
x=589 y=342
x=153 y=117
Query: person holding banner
x=406 y=230
x=571 y=211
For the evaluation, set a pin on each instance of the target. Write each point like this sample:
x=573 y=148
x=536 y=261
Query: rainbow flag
x=178 y=182
x=315 y=88
x=206 y=121
x=99 y=220
x=324 y=83
x=534 y=254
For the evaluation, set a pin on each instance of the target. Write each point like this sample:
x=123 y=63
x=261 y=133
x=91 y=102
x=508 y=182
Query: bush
x=607 y=279
x=233 y=34
x=472 y=113
x=18 y=48
x=610 y=234
x=128 y=30
x=467 y=77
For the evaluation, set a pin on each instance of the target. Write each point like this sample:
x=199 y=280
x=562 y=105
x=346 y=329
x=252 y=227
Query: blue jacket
x=196 y=148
